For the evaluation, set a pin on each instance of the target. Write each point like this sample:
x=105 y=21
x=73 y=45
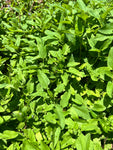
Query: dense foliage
x=56 y=75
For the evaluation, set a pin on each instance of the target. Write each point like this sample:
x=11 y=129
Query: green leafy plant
x=56 y=75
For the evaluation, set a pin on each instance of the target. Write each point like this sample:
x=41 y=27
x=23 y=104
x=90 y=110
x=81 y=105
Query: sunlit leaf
x=43 y=79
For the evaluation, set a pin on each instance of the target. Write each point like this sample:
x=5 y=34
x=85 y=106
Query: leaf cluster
x=56 y=75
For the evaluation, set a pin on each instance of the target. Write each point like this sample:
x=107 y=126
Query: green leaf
x=108 y=29
x=43 y=79
x=39 y=137
x=50 y=118
x=76 y=72
x=99 y=106
x=60 y=88
x=106 y=44
x=43 y=146
x=57 y=136
x=11 y=147
x=67 y=141
x=18 y=40
x=30 y=134
x=30 y=87
x=60 y=114
x=41 y=47
x=83 y=142
x=1 y=109
x=5 y=85
x=73 y=113
x=82 y=111
x=65 y=49
x=78 y=99
x=65 y=78
x=65 y=99
x=97 y=144
x=73 y=64
x=82 y=5
x=29 y=145
x=109 y=89
x=18 y=115
x=110 y=58
x=90 y=126
x=3 y=60
x=8 y=134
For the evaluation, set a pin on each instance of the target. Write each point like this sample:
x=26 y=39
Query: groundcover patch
x=56 y=75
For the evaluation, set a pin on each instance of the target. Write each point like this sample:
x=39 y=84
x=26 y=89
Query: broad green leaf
x=41 y=47
x=1 y=109
x=91 y=92
x=10 y=48
x=5 y=85
x=30 y=87
x=101 y=37
x=18 y=40
x=18 y=115
x=28 y=145
x=43 y=79
x=76 y=72
x=99 y=106
x=82 y=5
x=6 y=118
x=49 y=132
x=54 y=34
x=50 y=118
x=60 y=114
x=56 y=136
x=94 y=12
x=65 y=49
x=78 y=99
x=11 y=147
x=43 y=146
x=8 y=134
x=102 y=71
x=65 y=99
x=110 y=58
x=58 y=147
x=44 y=108
x=108 y=29
x=83 y=142
x=61 y=26
x=82 y=111
x=72 y=125
x=104 y=125
x=60 y=88
x=73 y=64
x=97 y=144
x=71 y=37
x=65 y=78
x=3 y=60
x=106 y=44
x=30 y=134
x=73 y=113
x=57 y=54
x=109 y=89
x=67 y=141
x=91 y=125
x=39 y=137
